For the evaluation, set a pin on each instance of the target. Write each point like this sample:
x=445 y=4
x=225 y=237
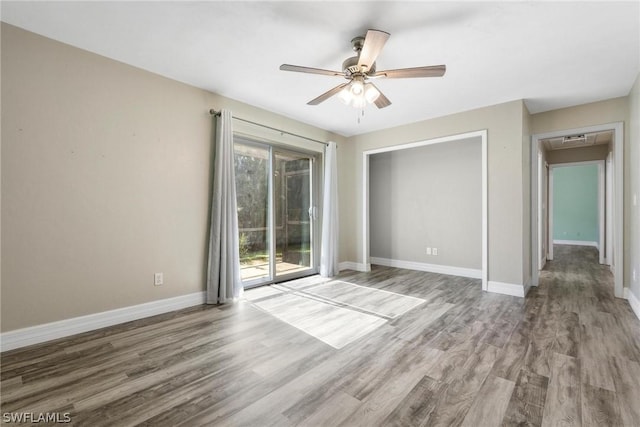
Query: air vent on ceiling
x=574 y=139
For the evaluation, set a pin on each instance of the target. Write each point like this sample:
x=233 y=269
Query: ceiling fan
x=359 y=69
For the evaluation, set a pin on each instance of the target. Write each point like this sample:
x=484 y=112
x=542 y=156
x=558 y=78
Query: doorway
x=613 y=210
x=481 y=137
x=277 y=212
x=576 y=200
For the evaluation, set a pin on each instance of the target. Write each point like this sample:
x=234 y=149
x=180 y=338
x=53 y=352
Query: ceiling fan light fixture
x=345 y=95
x=371 y=93
x=358 y=93
x=357 y=85
x=359 y=102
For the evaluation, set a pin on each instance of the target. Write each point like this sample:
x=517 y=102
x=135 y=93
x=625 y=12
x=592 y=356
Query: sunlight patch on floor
x=335 y=312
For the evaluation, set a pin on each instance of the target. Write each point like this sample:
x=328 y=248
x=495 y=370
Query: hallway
x=585 y=340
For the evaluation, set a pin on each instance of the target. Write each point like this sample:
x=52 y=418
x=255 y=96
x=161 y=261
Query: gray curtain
x=329 y=248
x=223 y=278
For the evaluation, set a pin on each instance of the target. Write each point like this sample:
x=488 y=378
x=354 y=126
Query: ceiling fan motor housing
x=357 y=43
x=350 y=67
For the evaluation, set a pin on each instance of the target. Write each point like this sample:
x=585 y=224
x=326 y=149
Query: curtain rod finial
x=214 y=112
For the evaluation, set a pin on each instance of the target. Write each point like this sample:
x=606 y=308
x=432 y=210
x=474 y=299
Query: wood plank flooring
x=568 y=354
x=321 y=309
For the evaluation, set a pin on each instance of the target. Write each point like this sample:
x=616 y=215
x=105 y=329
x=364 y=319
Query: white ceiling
x=551 y=54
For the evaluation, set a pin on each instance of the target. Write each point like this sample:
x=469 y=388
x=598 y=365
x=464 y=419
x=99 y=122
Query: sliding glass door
x=276 y=193
x=252 y=166
x=294 y=212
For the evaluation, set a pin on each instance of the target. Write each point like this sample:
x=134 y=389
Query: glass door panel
x=276 y=212
x=293 y=216
x=252 y=166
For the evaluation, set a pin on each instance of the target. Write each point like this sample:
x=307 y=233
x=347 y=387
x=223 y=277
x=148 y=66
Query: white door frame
x=608 y=257
x=601 y=205
x=618 y=199
x=485 y=217
x=543 y=171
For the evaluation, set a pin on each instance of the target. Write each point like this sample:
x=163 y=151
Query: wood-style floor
x=568 y=354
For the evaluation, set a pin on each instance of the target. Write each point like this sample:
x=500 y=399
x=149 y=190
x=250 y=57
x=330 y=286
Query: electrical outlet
x=634 y=274
x=158 y=279
x=434 y=251
x=428 y=251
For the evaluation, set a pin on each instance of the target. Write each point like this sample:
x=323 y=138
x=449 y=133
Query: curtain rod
x=217 y=113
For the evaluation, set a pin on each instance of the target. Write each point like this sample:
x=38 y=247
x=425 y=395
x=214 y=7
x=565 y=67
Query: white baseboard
x=64 y=328
x=576 y=243
x=506 y=288
x=527 y=286
x=432 y=268
x=356 y=266
x=634 y=302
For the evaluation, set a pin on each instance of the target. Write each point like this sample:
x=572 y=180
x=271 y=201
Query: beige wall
x=634 y=187
x=428 y=196
x=596 y=113
x=504 y=125
x=105 y=180
x=348 y=219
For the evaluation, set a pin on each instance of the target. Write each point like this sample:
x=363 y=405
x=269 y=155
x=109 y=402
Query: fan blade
x=309 y=70
x=403 y=73
x=328 y=94
x=381 y=101
x=373 y=43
